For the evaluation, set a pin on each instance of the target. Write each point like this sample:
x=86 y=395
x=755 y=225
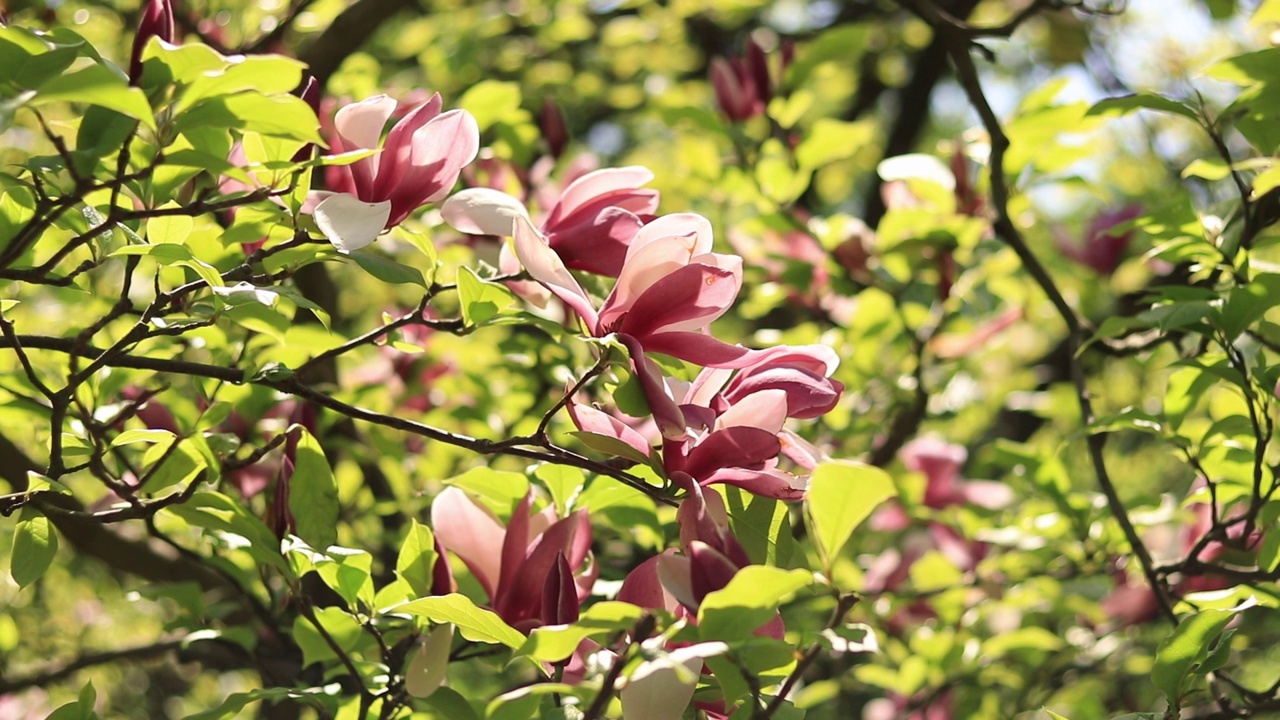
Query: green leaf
x=417 y=559
x=313 y=493
x=387 y=270
x=1112 y=107
x=96 y=85
x=762 y=524
x=748 y=601
x=81 y=709
x=475 y=624
x=28 y=59
x=554 y=643
x=236 y=703
x=491 y=101
x=1183 y=650
x=831 y=140
x=841 y=495
x=256 y=308
x=481 y=300
x=349 y=573
x=169 y=229
x=563 y=482
x=220 y=514
x=342 y=627
x=277 y=115
x=34 y=545
x=1248 y=304
x=266 y=74
x=172 y=254
x=180 y=466
x=498 y=489
x=609 y=445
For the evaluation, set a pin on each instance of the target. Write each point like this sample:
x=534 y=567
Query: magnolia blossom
x=1103 y=246
x=418 y=164
x=743 y=86
x=712 y=555
x=728 y=427
x=536 y=570
x=589 y=227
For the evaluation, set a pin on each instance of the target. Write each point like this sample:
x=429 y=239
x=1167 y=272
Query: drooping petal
x=546 y=267
x=666 y=413
x=700 y=348
x=808 y=394
x=674 y=572
x=765 y=483
x=589 y=419
x=483 y=211
x=595 y=184
x=349 y=223
x=472 y=533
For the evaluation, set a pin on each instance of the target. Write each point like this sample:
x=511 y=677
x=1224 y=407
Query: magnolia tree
x=631 y=360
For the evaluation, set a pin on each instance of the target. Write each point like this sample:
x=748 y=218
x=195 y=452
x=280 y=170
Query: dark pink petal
x=515 y=547
x=757 y=65
x=520 y=599
x=643 y=588
x=700 y=348
x=735 y=447
x=156 y=22
x=397 y=150
x=702 y=518
x=735 y=100
x=708 y=570
x=441 y=574
x=559 y=595
x=809 y=394
x=666 y=413
x=689 y=298
x=595 y=243
x=765 y=483
x=940 y=462
x=440 y=149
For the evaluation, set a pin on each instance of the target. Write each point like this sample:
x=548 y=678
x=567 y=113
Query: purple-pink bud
x=554 y=131
x=157 y=22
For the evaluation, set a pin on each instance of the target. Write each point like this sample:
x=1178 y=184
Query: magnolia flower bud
x=157 y=22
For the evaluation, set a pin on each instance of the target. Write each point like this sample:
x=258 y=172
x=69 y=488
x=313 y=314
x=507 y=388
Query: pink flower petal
x=349 y=223
x=766 y=410
x=643 y=588
x=765 y=483
x=472 y=533
x=546 y=267
x=596 y=183
x=687 y=299
x=589 y=419
x=483 y=211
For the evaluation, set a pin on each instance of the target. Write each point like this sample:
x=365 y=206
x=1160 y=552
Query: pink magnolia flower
x=743 y=86
x=669 y=291
x=1103 y=247
x=589 y=226
x=940 y=462
x=727 y=427
x=419 y=163
x=156 y=22
x=536 y=571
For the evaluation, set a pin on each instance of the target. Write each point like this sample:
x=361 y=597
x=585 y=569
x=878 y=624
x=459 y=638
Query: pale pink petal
x=509 y=264
x=349 y=223
x=483 y=211
x=700 y=349
x=360 y=124
x=692 y=229
x=598 y=183
x=675 y=573
x=642 y=269
x=766 y=409
x=472 y=533
x=660 y=689
x=397 y=151
x=545 y=266
x=446 y=145
x=987 y=493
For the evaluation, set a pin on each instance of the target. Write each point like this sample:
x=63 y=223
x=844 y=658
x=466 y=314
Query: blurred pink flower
x=1103 y=247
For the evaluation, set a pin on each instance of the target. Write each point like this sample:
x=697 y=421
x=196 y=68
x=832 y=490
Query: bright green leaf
x=841 y=495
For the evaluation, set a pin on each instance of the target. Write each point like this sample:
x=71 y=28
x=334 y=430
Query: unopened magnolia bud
x=554 y=131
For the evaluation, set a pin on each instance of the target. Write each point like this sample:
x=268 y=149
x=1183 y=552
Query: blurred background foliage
x=939 y=331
